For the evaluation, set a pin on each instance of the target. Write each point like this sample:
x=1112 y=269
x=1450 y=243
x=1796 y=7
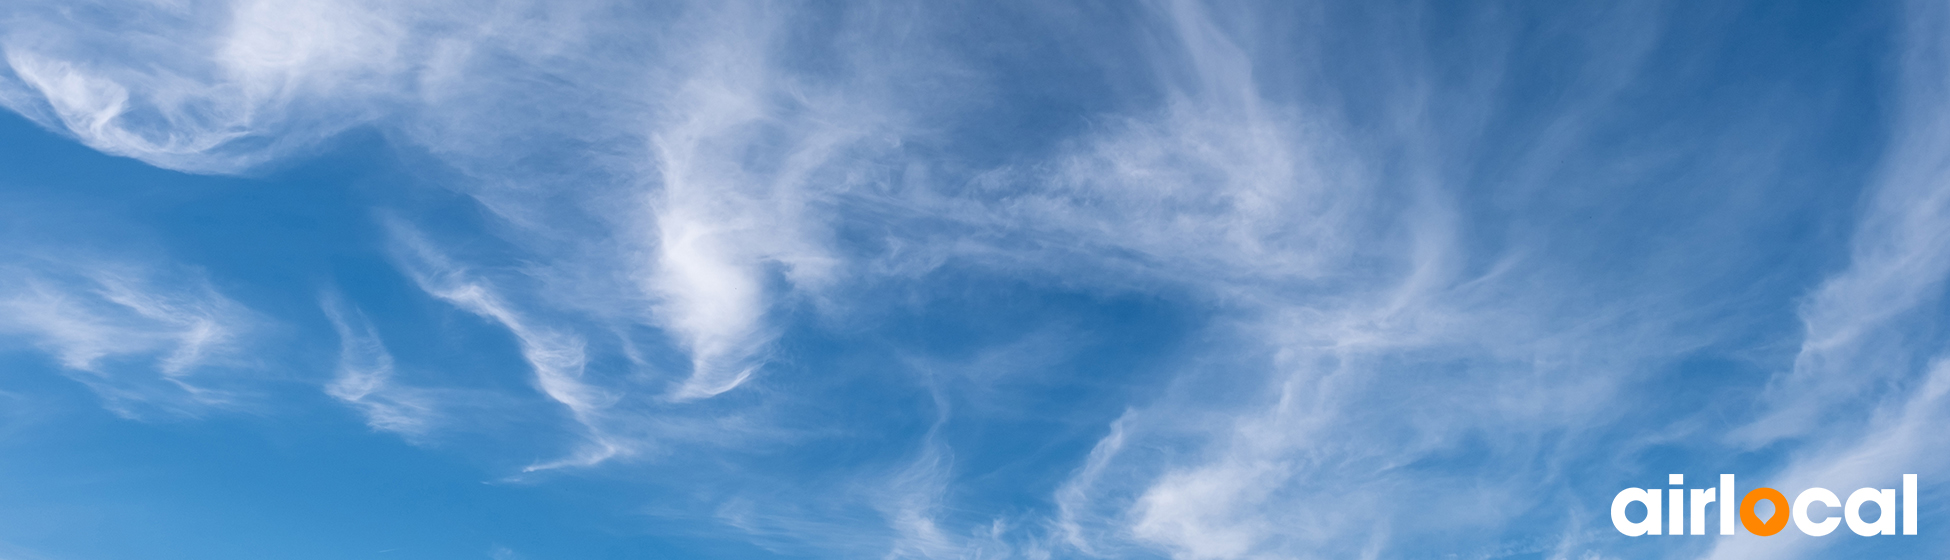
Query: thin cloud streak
x=556 y=358
x=1867 y=390
x=365 y=375
x=95 y=318
x=1857 y=322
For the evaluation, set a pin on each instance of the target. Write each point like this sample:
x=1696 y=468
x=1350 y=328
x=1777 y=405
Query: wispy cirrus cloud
x=1868 y=384
x=262 y=80
x=557 y=359
x=1860 y=323
x=141 y=337
x=1401 y=355
x=705 y=161
x=365 y=376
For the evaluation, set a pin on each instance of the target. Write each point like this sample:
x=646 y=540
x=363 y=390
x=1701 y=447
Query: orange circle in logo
x=1774 y=523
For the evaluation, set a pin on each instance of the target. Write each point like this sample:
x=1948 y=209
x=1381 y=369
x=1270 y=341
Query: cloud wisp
x=365 y=375
x=101 y=321
x=1866 y=389
x=557 y=359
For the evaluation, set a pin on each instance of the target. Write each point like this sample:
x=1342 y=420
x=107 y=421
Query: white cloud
x=556 y=358
x=97 y=318
x=913 y=500
x=1866 y=393
x=1360 y=333
x=1900 y=437
x=1857 y=322
x=723 y=156
x=275 y=77
x=365 y=376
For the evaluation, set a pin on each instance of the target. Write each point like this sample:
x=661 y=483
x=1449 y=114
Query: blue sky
x=551 y=280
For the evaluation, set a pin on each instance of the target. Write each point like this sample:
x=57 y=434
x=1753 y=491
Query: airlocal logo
x=1677 y=512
